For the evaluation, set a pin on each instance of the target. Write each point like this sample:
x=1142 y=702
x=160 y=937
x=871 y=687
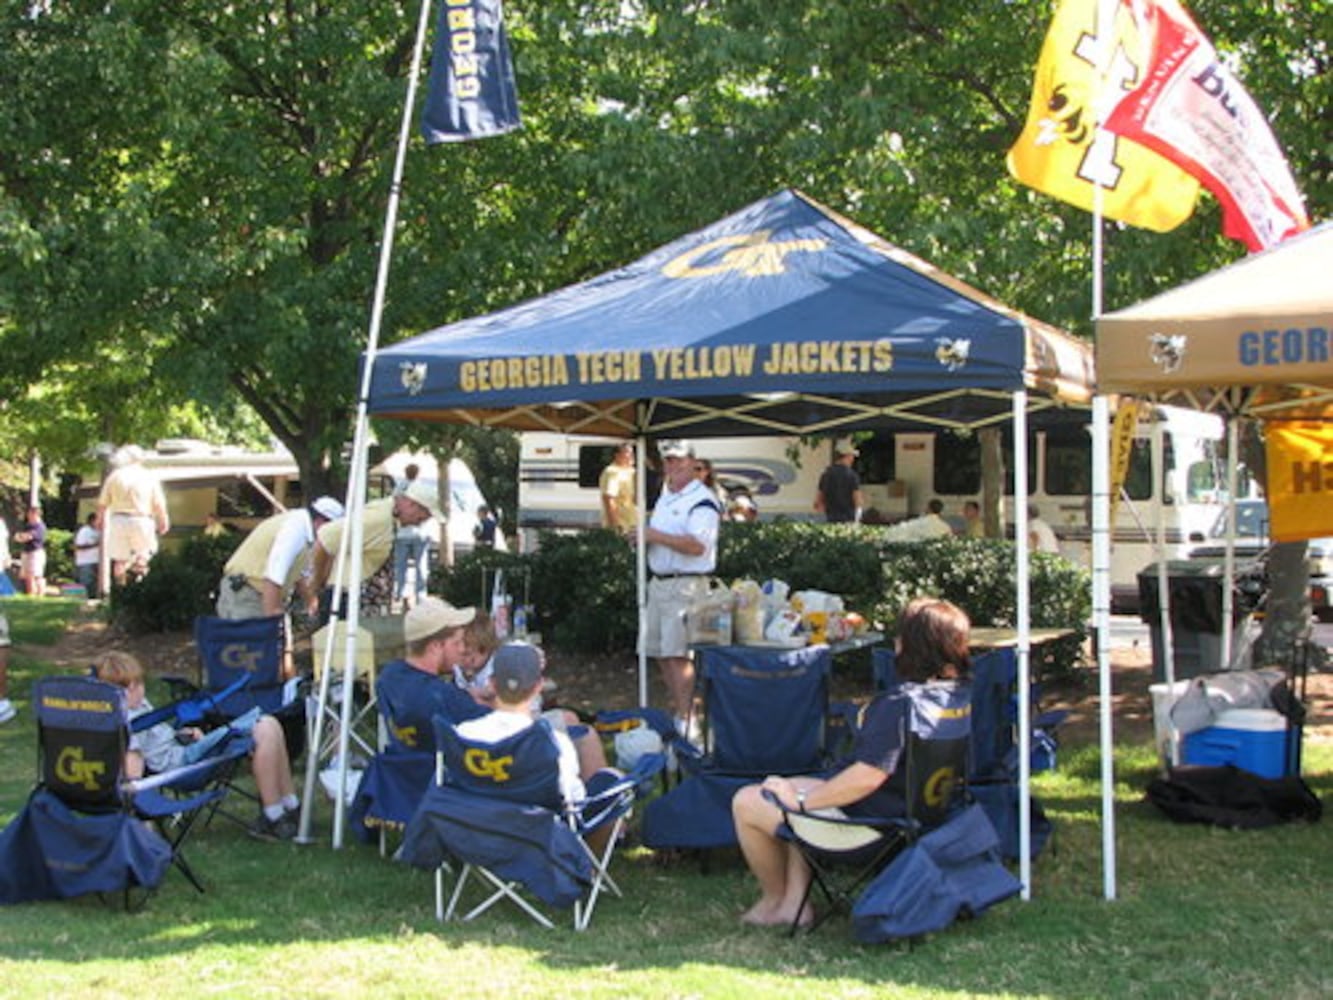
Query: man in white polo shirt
x=682 y=553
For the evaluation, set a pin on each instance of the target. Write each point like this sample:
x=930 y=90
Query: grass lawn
x=1201 y=913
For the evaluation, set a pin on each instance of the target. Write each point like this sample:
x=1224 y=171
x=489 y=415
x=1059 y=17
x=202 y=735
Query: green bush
x=179 y=588
x=582 y=586
x=59 y=554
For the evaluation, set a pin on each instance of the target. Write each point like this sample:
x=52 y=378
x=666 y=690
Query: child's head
x=479 y=643
x=122 y=670
x=517 y=673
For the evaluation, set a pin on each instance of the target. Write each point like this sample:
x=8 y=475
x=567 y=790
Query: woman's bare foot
x=759 y=915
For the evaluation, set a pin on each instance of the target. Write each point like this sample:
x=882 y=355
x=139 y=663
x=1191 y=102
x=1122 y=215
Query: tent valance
x=1255 y=337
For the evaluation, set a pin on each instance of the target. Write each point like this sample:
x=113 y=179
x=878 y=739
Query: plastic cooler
x=1254 y=739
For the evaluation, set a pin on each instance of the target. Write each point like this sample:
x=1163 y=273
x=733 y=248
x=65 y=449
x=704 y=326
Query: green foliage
x=582 y=585
x=59 y=554
x=179 y=588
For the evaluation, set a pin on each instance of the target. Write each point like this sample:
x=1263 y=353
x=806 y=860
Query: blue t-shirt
x=410 y=698
x=880 y=739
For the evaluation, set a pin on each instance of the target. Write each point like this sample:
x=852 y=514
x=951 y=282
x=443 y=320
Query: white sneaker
x=7 y=710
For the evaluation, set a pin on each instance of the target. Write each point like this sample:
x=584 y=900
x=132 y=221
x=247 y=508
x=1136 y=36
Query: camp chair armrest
x=189 y=773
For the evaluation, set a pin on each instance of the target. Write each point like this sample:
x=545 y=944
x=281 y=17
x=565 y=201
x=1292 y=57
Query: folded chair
x=764 y=714
x=87 y=828
x=936 y=717
x=498 y=810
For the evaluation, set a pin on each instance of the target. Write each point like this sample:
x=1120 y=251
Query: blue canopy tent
x=783 y=318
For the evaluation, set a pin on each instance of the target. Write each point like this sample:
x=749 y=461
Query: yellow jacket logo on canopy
x=1063 y=153
x=1300 y=479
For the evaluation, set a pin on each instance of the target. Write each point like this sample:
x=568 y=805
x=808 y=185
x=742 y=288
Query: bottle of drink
x=520 y=622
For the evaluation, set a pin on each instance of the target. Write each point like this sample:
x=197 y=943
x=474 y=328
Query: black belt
x=675 y=576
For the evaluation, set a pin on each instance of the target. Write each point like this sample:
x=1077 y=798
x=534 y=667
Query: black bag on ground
x=1232 y=797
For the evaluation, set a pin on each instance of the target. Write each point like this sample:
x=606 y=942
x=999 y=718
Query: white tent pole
x=1101 y=621
x=1024 y=624
x=1163 y=577
x=1229 y=555
x=641 y=557
x=356 y=490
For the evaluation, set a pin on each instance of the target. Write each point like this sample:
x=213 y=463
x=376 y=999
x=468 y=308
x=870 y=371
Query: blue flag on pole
x=471 y=93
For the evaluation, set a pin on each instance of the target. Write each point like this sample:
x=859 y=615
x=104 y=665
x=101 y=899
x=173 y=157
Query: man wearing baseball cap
x=517 y=679
x=414 y=504
x=682 y=552
x=415 y=689
x=839 y=497
x=274 y=559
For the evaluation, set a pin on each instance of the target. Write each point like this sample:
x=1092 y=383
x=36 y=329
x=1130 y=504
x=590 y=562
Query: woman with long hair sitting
x=932 y=644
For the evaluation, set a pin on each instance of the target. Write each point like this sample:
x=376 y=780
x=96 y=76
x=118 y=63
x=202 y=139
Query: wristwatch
x=800 y=799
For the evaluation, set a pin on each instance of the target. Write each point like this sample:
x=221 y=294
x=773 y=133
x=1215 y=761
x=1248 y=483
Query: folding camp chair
x=252 y=648
x=765 y=713
x=497 y=808
x=936 y=717
x=231 y=746
x=993 y=753
x=81 y=831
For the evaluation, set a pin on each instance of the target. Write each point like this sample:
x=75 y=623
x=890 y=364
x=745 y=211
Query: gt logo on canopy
x=753 y=256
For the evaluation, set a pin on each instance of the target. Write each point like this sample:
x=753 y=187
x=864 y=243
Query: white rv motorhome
x=901 y=471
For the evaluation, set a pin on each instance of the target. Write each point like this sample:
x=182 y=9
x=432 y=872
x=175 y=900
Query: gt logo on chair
x=72 y=769
x=938 y=787
x=238 y=656
x=483 y=765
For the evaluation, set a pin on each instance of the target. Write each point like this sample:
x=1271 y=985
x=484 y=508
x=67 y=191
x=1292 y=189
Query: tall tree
x=191 y=193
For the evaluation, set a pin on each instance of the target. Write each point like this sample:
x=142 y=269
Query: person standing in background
x=616 y=488
x=973 y=526
x=484 y=532
x=272 y=561
x=682 y=553
x=87 y=554
x=7 y=710
x=32 y=542
x=411 y=545
x=131 y=513
x=839 y=497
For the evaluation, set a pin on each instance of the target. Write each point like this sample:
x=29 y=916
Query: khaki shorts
x=664 y=629
x=131 y=536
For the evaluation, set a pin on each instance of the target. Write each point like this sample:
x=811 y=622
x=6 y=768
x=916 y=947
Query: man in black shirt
x=839 y=497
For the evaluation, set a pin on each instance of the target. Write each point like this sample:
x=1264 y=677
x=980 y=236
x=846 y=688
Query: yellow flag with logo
x=1122 y=447
x=1300 y=479
x=1062 y=152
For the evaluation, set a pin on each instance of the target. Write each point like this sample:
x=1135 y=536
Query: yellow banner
x=1300 y=479
x=1061 y=152
x=1122 y=446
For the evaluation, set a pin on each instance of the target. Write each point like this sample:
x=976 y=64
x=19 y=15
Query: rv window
x=1068 y=463
x=877 y=462
x=957 y=464
x=593 y=458
x=1138 y=479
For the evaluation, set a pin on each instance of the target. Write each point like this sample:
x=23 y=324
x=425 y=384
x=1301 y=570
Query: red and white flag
x=1192 y=110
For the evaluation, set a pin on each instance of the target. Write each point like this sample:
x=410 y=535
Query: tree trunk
x=992 y=481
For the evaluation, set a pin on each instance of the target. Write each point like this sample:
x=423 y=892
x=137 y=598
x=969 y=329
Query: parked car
x=1252 y=543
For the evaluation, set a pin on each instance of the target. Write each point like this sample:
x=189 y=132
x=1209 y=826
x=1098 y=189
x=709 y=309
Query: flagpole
x=1101 y=490
x=356 y=489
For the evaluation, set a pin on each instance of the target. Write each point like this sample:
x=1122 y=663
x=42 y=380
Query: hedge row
x=582 y=595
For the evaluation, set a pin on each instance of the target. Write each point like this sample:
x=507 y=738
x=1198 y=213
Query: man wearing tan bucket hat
x=415 y=504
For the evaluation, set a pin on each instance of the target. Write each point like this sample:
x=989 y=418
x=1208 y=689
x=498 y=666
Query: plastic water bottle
x=520 y=622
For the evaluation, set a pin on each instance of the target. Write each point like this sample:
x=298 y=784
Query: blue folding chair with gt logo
x=498 y=809
x=87 y=828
